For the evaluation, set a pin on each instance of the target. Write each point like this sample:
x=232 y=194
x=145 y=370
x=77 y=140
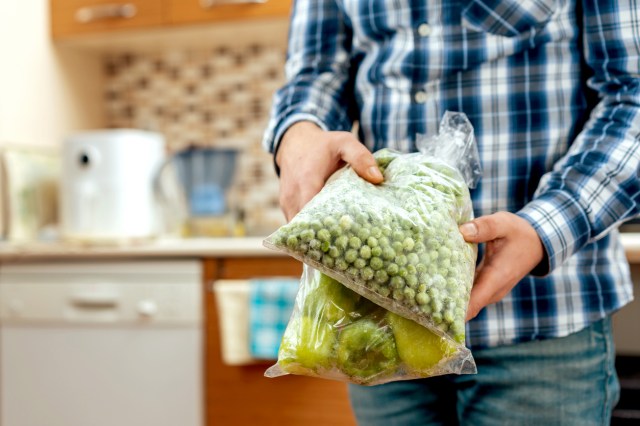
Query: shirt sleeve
x=596 y=185
x=317 y=87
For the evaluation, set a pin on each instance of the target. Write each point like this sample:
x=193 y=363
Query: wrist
x=300 y=130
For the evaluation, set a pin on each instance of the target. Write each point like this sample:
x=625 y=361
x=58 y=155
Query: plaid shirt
x=553 y=91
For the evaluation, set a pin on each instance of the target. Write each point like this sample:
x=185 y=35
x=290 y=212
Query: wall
x=45 y=92
x=217 y=97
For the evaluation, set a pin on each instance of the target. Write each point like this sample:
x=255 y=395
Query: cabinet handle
x=208 y=4
x=101 y=12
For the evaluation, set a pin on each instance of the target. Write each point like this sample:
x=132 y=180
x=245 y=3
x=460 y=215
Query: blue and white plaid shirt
x=553 y=91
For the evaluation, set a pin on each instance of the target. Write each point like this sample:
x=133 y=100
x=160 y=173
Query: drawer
x=73 y=17
x=193 y=11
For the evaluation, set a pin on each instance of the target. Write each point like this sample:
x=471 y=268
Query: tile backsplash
x=217 y=97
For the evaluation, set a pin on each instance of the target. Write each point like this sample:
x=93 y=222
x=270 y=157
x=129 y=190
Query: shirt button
x=420 y=97
x=424 y=30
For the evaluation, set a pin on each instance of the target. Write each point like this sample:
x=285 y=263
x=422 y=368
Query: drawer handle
x=208 y=4
x=101 y=12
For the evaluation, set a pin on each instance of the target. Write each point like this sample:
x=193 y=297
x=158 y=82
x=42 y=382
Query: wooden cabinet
x=199 y=11
x=242 y=395
x=78 y=17
x=73 y=18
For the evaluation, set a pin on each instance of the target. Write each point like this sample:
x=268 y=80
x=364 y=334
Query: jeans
x=565 y=381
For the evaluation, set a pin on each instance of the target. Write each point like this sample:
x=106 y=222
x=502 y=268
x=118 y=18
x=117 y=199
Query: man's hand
x=308 y=156
x=513 y=249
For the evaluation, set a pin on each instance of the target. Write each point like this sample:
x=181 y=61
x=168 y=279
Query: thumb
x=360 y=159
x=483 y=229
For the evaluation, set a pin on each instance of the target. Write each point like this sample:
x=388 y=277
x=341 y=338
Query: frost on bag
x=398 y=243
x=335 y=333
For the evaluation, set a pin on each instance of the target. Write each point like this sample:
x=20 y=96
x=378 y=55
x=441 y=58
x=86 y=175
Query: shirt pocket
x=507 y=18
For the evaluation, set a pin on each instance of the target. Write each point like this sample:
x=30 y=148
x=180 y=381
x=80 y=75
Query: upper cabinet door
x=202 y=11
x=76 y=17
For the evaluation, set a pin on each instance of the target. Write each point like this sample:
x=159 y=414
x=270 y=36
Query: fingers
x=360 y=158
x=485 y=228
x=484 y=291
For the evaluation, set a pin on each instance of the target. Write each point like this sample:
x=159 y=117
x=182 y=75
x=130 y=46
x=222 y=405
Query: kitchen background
x=154 y=332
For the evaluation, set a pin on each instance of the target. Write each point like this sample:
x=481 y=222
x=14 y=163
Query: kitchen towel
x=271 y=302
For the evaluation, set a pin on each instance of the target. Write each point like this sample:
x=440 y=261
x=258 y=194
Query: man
x=552 y=88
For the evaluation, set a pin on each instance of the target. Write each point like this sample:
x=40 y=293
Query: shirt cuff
x=561 y=224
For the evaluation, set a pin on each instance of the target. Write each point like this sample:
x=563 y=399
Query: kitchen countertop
x=185 y=248
x=161 y=248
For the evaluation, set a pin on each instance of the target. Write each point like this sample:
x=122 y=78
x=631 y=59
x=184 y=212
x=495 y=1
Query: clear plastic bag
x=334 y=333
x=397 y=243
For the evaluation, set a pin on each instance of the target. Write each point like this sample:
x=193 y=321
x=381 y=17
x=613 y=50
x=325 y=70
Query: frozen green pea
x=325 y=246
x=328 y=261
x=401 y=260
x=376 y=263
x=342 y=242
x=422 y=298
x=341 y=265
x=421 y=268
x=376 y=232
x=353 y=272
x=315 y=244
x=346 y=222
x=292 y=242
x=329 y=222
x=324 y=235
x=307 y=235
x=425 y=259
x=335 y=252
x=412 y=280
x=351 y=255
x=384 y=241
x=445 y=263
x=388 y=253
x=364 y=234
x=397 y=246
x=436 y=305
x=436 y=316
x=444 y=253
x=383 y=291
x=360 y=263
x=392 y=269
x=426 y=309
x=381 y=277
x=412 y=270
x=316 y=225
x=315 y=254
x=398 y=294
x=365 y=252
x=402 y=272
x=409 y=293
x=449 y=316
x=372 y=242
x=419 y=247
x=376 y=251
x=413 y=258
x=443 y=326
x=398 y=236
x=336 y=231
x=367 y=273
x=408 y=244
x=433 y=292
x=397 y=282
x=355 y=242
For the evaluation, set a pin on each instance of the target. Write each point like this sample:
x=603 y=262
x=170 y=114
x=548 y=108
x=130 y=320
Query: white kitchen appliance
x=107 y=188
x=103 y=343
